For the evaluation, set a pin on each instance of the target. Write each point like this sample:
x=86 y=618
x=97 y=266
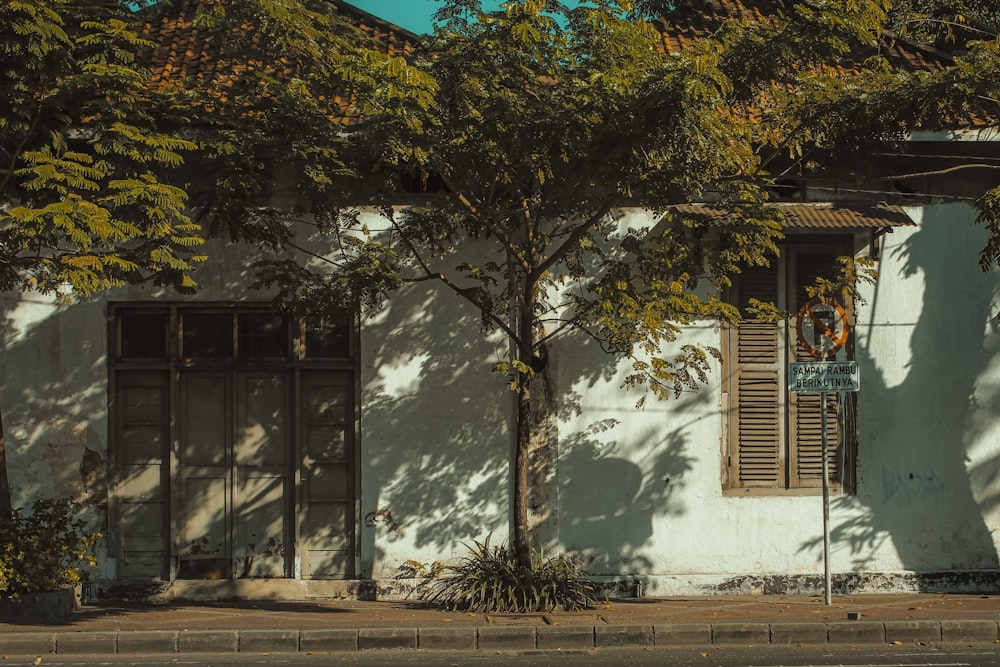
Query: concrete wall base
x=978 y=581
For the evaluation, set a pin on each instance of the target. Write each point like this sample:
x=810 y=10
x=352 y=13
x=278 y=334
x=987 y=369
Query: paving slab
x=335 y=625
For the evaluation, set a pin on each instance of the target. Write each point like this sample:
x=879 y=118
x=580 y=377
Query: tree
x=84 y=200
x=546 y=120
x=540 y=121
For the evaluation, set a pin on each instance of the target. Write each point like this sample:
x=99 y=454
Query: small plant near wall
x=45 y=550
x=490 y=580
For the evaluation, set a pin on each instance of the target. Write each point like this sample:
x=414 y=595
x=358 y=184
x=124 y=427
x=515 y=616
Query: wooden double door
x=227 y=474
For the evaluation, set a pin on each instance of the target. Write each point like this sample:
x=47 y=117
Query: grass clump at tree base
x=490 y=580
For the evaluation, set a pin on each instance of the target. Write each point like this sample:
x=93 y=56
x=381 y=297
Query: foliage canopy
x=85 y=201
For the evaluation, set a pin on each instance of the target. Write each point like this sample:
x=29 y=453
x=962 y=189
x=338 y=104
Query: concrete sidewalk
x=351 y=625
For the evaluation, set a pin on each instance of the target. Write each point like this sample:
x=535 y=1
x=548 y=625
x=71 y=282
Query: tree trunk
x=522 y=447
x=522 y=538
x=532 y=458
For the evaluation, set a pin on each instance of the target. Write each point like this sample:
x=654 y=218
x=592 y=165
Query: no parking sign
x=822 y=328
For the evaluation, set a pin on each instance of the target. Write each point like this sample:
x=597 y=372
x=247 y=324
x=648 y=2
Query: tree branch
x=573 y=239
x=508 y=244
x=20 y=149
x=939 y=172
x=432 y=275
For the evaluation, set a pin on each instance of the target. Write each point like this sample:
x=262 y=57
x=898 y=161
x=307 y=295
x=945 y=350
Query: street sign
x=822 y=328
x=823 y=376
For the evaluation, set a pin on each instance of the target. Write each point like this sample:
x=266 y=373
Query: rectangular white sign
x=820 y=376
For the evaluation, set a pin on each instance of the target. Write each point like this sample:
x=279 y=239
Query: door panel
x=142 y=424
x=263 y=468
x=260 y=532
x=204 y=547
x=327 y=526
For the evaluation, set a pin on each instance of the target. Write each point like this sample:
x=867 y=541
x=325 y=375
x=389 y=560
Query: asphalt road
x=895 y=656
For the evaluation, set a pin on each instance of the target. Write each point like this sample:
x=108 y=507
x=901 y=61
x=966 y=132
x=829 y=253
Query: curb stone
x=565 y=637
x=208 y=641
x=494 y=637
x=681 y=634
x=100 y=642
x=147 y=642
x=488 y=638
x=741 y=633
x=269 y=641
x=856 y=632
x=623 y=635
x=34 y=643
x=382 y=638
x=444 y=639
x=799 y=633
x=969 y=631
x=909 y=632
x=333 y=639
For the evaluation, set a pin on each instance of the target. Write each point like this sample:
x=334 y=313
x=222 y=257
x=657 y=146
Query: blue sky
x=414 y=15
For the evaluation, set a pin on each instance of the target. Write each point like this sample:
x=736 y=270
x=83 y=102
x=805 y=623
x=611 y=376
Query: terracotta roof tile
x=184 y=55
x=680 y=28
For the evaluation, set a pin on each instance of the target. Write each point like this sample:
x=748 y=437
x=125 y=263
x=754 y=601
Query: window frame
x=787 y=449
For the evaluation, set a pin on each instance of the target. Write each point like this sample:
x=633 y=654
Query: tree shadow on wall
x=437 y=438
x=607 y=503
x=925 y=482
x=54 y=396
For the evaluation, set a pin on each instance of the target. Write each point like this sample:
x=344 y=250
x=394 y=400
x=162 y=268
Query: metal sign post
x=829 y=329
x=828 y=584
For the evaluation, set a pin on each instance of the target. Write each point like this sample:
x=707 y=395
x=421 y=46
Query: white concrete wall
x=435 y=432
x=638 y=492
x=641 y=491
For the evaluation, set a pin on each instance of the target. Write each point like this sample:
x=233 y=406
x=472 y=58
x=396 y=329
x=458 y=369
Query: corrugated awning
x=826 y=215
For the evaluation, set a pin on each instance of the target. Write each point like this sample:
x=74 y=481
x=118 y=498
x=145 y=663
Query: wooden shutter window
x=756 y=457
x=805 y=416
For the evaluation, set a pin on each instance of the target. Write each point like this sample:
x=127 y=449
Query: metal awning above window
x=813 y=216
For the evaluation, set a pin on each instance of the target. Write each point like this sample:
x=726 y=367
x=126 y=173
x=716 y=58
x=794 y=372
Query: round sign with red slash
x=822 y=328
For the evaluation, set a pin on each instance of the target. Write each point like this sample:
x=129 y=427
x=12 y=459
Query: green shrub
x=45 y=550
x=489 y=580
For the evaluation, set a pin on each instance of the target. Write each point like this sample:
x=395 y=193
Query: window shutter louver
x=773 y=438
x=805 y=414
x=755 y=388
